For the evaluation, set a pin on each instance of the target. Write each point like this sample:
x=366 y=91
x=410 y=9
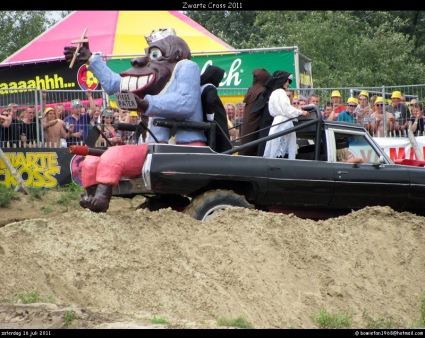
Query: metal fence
x=409 y=92
x=24 y=97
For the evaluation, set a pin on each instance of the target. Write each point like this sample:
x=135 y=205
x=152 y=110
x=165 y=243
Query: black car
x=317 y=184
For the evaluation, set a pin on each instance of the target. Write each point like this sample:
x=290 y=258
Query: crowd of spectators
x=57 y=127
x=369 y=112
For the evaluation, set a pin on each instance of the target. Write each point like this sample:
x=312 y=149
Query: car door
x=299 y=182
x=368 y=183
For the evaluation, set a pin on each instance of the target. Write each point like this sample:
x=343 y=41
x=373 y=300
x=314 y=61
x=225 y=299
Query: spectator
x=231 y=117
x=13 y=110
x=123 y=114
x=291 y=94
x=81 y=123
x=28 y=127
x=347 y=115
x=372 y=102
x=240 y=106
x=283 y=112
x=315 y=99
x=95 y=114
x=130 y=137
x=252 y=119
x=54 y=129
x=60 y=111
x=327 y=111
x=107 y=129
x=302 y=101
x=336 y=103
x=9 y=124
x=96 y=117
x=363 y=111
x=417 y=119
x=400 y=111
x=116 y=116
x=295 y=103
x=5 y=120
x=411 y=103
x=376 y=125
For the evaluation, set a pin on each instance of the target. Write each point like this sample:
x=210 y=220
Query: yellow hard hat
x=336 y=93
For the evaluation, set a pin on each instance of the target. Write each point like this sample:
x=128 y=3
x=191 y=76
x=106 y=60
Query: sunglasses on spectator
x=295 y=102
x=379 y=105
x=352 y=105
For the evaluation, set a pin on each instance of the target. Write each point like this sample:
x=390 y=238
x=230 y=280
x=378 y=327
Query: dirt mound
x=123 y=268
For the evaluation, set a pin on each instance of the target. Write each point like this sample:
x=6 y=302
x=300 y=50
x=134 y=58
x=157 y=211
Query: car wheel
x=211 y=203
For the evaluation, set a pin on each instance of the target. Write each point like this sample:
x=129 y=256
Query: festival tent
x=115 y=33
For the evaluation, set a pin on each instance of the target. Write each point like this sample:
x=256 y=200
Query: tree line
x=348 y=48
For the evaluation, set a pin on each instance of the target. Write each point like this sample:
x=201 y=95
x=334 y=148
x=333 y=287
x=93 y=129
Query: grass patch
x=69 y=199
x=378 y=323
x=68 y=317
x=33 y=297
x=47 y=209
x=36 y=193
x=421 y=320
x=7 y=196
x=239 y=322
x=159 y=320
x=326 y=320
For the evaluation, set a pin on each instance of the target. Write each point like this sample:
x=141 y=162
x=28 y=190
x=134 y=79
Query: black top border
x=207 y=5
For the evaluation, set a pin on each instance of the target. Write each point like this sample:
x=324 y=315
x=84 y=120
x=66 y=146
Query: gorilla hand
x=82 y=56
x=142 y=104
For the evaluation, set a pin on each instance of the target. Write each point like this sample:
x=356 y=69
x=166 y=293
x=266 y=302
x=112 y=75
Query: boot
x=100 y=201
x=90 y=192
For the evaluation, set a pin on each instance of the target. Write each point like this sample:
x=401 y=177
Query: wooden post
x=413 y=142
x=80 y=43
x=21 y=184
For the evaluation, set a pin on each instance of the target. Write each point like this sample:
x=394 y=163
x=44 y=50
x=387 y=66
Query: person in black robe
x=213 y=107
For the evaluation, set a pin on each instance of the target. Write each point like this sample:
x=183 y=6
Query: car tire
x=210 y=203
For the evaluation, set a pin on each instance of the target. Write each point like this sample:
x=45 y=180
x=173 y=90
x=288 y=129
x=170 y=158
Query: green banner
x=238 y=66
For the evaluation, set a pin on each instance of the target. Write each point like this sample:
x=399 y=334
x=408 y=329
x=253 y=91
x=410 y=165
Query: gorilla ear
x=177 y=55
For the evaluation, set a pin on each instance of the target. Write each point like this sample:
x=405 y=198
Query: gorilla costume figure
x=165 y=83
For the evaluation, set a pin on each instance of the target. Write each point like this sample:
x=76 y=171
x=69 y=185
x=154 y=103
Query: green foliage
x=33 y=297
x=159 y=320
x=421 y=321
x=326 y=320
x=19 y=28
x=36 y=193
x=233 y=27
x=7 y=196
x=378 y=323
x=68 y=317
x=239 y=322
x=348 y=48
